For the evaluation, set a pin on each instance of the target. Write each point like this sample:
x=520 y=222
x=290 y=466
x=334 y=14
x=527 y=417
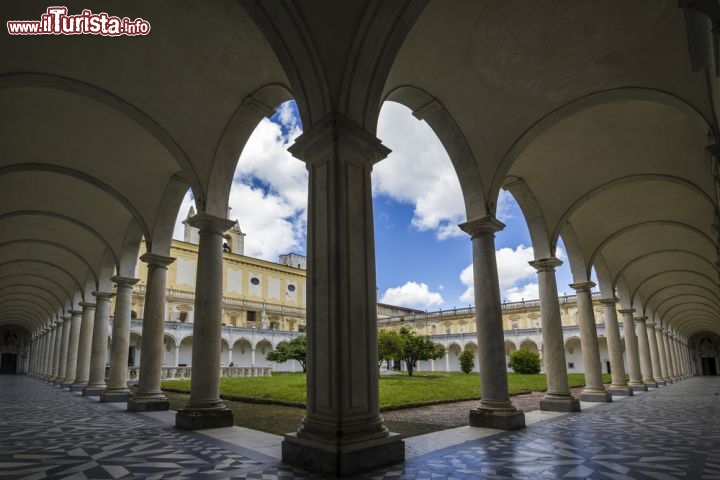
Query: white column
x=62 y=359
x=594 y=390
x=230 y=356
x=117 y=389
x=447 y=360
x=668 y=355
x=205 y=409
x=557 y=397
x=149 y=396
x=177 y=355
x=495 y=409
x=252 y=357
x=654 y=354
x=631 y=352
x=644 y=351
x=57 y=339
x=343 y=423
x=662 y=354
x=618 y=385
x=72 y=352
x=87 y=323
x=98 y=353
x=46 y=355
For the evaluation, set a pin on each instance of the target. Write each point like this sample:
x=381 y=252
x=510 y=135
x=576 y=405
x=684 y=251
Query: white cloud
x=418 y=172
x=269 y=193
x=412 y=294
x=515 y=275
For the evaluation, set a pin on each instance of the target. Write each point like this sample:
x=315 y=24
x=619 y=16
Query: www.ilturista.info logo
x=57 y=22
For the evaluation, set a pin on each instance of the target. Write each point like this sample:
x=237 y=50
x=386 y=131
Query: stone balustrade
x=179 y=373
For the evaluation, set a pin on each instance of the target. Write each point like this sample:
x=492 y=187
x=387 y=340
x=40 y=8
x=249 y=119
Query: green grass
x=396 y=391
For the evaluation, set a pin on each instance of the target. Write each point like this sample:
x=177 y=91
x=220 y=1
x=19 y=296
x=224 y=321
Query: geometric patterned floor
x=669 y=433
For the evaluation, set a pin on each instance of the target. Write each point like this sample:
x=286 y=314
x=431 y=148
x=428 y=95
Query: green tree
x=295 y=349
x=467 y=361
x=416 y=348
x=525 y=361
x=389 y=346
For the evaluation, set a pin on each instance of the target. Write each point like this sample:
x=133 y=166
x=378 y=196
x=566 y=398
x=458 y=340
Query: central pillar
x=342 y=432
x=55 y=365
x=149 y=396
x=74 y=336
x=644 y=351
x=62 y=359
x=669 y=356
x=594 y=389
x=47 y=352
x=631 y=351
x=618 y=384
x=495 y=409
x=662 y=354
x=558 y=397
x=654 y=354
x=82 y=370
x=98 y=354
x=205 y=409
x=117 y=390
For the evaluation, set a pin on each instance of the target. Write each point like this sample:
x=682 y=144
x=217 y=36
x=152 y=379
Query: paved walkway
x=669 y=433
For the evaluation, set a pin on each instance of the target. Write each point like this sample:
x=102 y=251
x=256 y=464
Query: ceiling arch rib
x=50 y=216
x=687 y=255
x=678 y=276
x=7 y=290
x=27 y=303
x=49 y=243
x=39 y=279
x=67 y=275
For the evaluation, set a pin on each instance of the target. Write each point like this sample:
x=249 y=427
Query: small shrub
x=525 y=361
x=467 y=361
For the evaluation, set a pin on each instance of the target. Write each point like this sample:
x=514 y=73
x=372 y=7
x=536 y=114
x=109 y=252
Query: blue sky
x=423 y=259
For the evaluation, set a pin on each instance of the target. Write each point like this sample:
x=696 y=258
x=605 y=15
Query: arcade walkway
x=673 y=432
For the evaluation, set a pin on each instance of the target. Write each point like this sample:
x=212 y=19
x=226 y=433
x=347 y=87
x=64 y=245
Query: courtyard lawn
x=396 y=391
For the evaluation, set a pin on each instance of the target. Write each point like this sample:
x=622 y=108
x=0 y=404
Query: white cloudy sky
x=423 y=257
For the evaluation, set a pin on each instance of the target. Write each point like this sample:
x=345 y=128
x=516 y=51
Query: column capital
x=318 y=140
x=609 y=301
x=482 y=226
x=546 y=264
x=627 y=310
x=582 y=286
x=119 y=280
x=157 y=260
x=641 y=318
x=650 y=325
x=103 y=295
x=87 y=305
x=206 y=222
x=65 y=318
x=76 y=312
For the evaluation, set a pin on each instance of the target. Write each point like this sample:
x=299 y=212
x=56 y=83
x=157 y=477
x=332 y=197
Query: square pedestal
x=114 y=397
x=150 y=405
x=560 y=404
x=92 y=392
x=201 y=419
x=641 y=387
x=501 y=420
x=595 y=397
x=340 y=460
x=77 y=388
x=620 y=391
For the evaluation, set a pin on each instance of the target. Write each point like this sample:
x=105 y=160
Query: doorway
x=8 y=363
x=709 y=367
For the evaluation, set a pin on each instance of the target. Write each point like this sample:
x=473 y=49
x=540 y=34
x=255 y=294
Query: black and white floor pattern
x=669 y=433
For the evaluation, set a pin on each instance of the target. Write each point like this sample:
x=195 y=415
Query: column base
x=638 y=387
x=93 y=391
x=77 y=387
x=148 y=404
x=339 y=460
x=560 y=404
x=650 y=384
x=660 y=382
x=114 y=397
x=499 y=419
x=202 y=419
x=595 y=396
x=620 y=390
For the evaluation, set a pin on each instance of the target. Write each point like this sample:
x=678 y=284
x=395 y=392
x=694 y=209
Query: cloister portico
x=599 y=118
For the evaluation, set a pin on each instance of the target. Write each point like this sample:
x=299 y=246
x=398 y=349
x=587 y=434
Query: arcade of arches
x=599 y=117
